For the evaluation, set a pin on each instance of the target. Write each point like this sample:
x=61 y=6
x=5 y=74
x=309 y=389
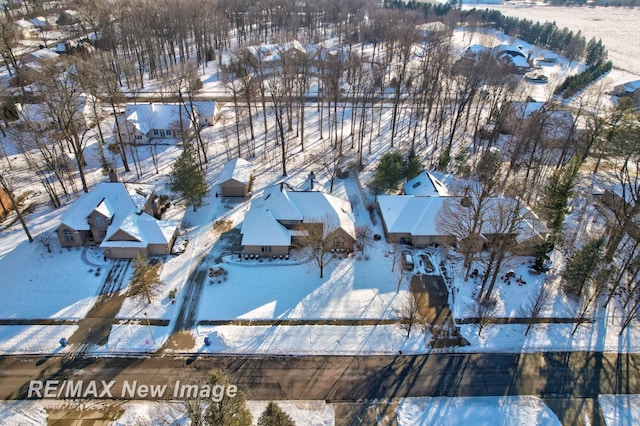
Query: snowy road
x=552 y=376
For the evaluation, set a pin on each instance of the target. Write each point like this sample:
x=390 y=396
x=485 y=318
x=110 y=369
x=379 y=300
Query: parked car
x=407 y=260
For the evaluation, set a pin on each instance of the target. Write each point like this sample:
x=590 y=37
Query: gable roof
x=147 y=117
x=143 y=228
x=263 y=222
x=262 y=229
x=238 y=170
x=204 y=108
x=415 y=215
x=122 y=198
x=425 y=184
x=408 y=214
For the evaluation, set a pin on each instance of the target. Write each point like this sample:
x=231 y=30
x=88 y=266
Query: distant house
x=37 y=60
x=630 y=89
x=425 y=184
x=117 y=217
x=142 y=123
x=512 y=56
x=557 y=122
x=207 y=112
x=235 y=178
x=506 y=54
x=43 y=23
x=276 y=221
x=23 y=28
x=475 y=52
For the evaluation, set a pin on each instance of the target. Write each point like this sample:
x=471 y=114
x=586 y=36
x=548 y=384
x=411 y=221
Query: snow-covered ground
x=509 y=410
x=615 y=26
x=64 y=284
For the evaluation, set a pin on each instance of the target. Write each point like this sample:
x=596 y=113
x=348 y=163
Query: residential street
x=556 y=376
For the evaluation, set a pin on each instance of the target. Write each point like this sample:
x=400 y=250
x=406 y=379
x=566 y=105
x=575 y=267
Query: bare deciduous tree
x=317 y=236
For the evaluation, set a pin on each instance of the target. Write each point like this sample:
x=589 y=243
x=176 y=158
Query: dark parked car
x=407 y=260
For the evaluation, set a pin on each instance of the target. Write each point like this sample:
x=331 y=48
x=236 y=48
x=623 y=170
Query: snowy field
x=617 y=27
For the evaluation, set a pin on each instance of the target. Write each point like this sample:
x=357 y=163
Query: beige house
x=280 y=219
x=412 y=220
x=118 y=218
x=235 y=178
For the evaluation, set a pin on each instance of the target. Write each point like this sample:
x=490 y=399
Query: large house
x=142 y=123
x=280 y=218
x=413 y=220
x=117 y=217
x=505 y=54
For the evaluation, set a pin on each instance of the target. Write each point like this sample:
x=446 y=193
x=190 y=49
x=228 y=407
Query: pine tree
x=582 y=266
x=555 y=196
x=389 y=172
x=412 y=167
x=229 y=410
x=274 y=416
x=188 y=180
x=146 y=279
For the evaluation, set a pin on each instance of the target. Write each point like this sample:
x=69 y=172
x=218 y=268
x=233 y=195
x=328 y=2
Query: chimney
x=113 y=175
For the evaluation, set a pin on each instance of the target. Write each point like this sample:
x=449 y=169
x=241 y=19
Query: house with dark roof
x=117 y=217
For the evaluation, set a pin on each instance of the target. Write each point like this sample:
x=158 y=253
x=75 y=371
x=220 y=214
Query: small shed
x=235 y=178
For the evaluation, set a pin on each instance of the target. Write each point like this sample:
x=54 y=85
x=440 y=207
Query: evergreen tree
x=146 y=278
x=582 y=266
x=188 y=180
x=389 y=172
x=274 y=416
x=392 y=169
x=412 y=167
x=229 y=410
x=556 y=194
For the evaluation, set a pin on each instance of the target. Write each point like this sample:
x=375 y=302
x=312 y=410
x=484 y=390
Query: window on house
x=99 y=221
x=103 y=233
x=139 y=137
x=68 y=236
x=155 y=132
x=338 y=243
x=266 y=249
x=161 y=133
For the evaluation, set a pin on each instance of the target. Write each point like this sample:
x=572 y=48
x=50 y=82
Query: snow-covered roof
x=315 y=206
x=475 y=50
x=146 y=117
x=408 y=214
x=144 y=229
x=425 y=184
x=260 y=228
x=263 y=222
x=24 y=24
x=415 y=215
x=526 y=109
x=40 y=55
x=509 y=49
x=205 y=108
x=121 y=199
x=40 y=21
x=631 y=86
x=238 y=170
